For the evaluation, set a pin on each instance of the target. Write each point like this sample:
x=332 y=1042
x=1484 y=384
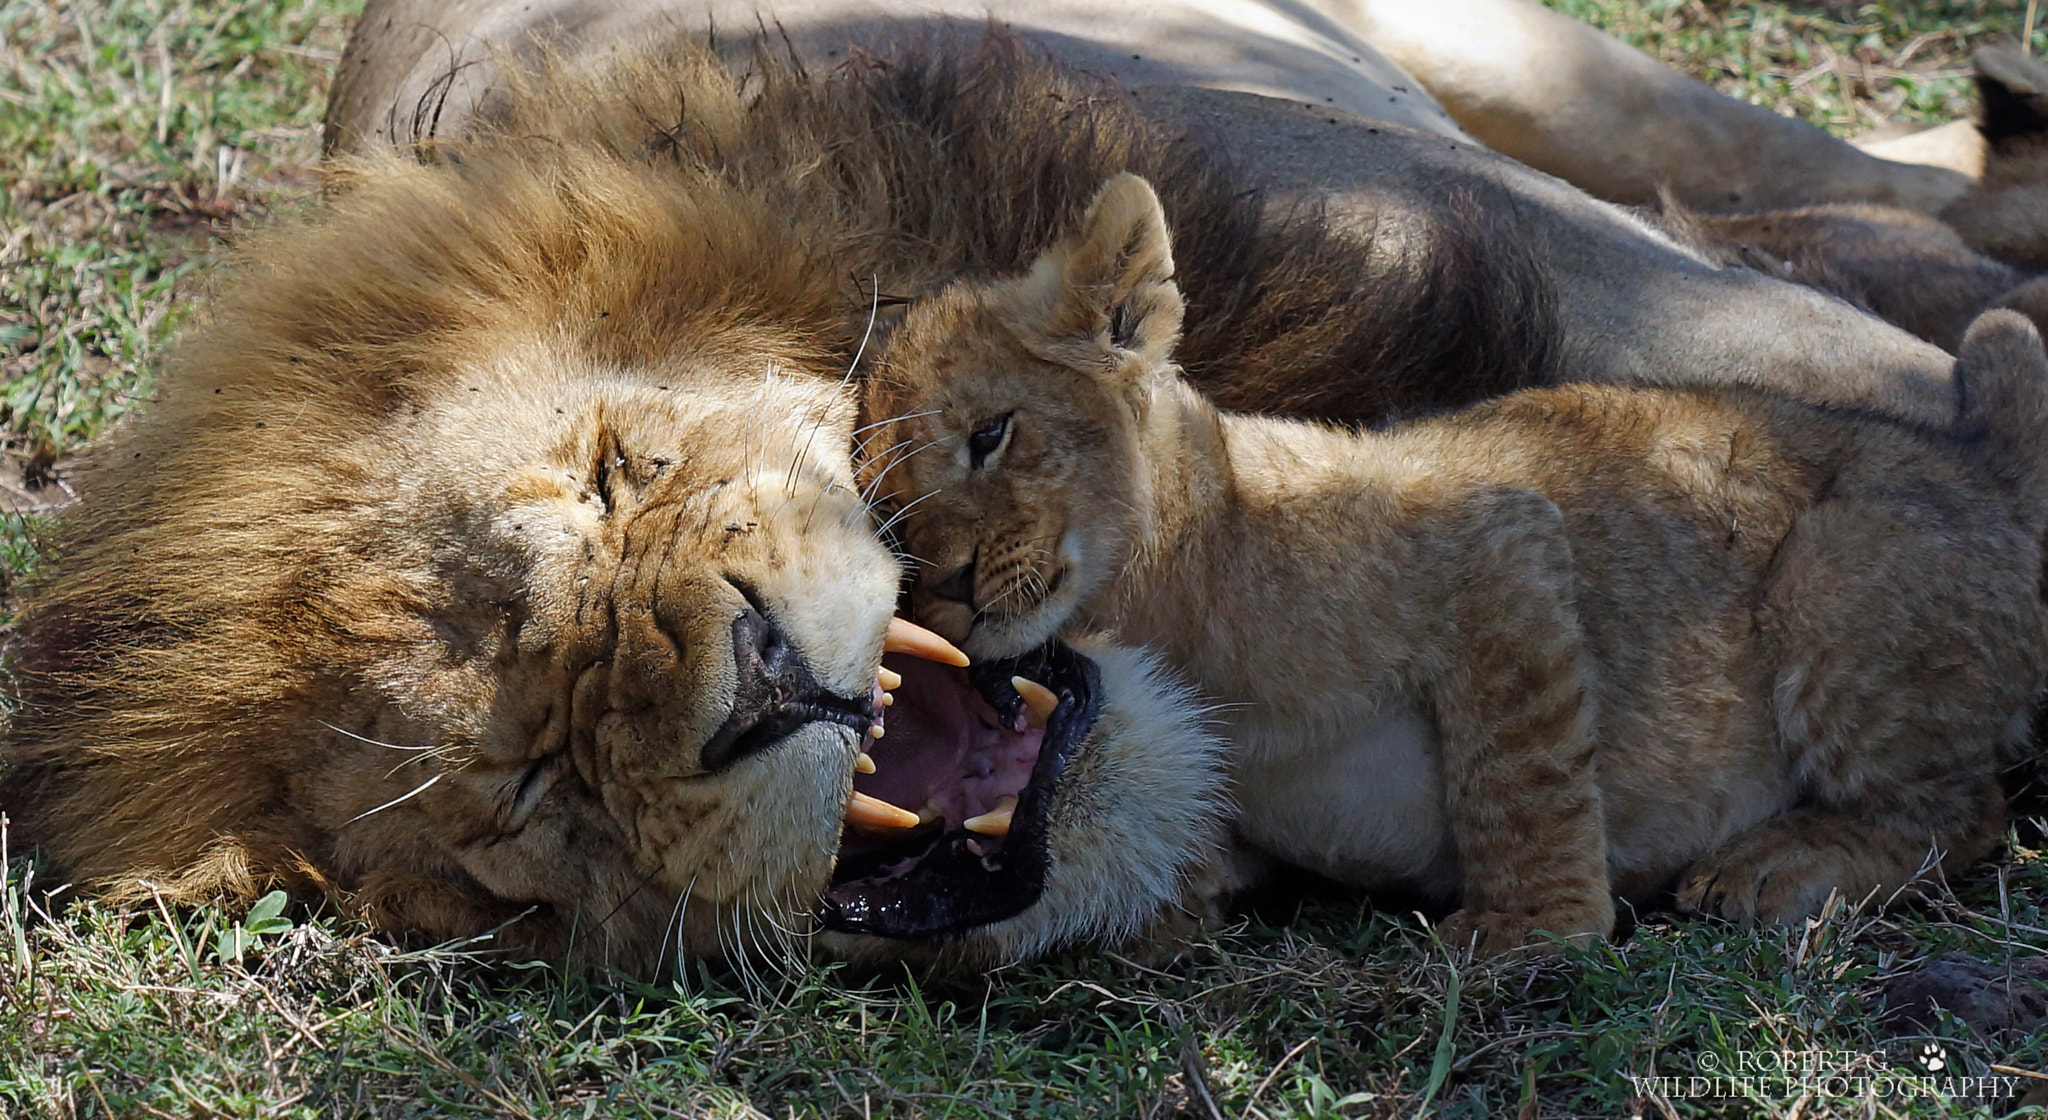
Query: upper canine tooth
x=908 y=637
x=873 y=812
x=1039 y=701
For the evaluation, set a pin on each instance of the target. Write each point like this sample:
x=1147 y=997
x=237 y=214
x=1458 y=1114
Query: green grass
x=137 y=134
x=124 y=184
x=1844 y=66
x=1336 y=1012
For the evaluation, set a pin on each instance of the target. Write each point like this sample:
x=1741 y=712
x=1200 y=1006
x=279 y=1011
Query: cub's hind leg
x=1907 y=641
x=1784 y=869
x=1514 y=721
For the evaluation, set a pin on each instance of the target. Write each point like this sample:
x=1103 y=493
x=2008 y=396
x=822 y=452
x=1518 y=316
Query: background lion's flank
x=139 y=130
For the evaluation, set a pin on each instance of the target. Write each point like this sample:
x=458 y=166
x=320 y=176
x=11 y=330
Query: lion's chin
x=960 y=746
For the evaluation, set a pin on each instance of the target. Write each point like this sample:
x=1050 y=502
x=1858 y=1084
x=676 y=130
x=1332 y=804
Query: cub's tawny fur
x=1574 y=642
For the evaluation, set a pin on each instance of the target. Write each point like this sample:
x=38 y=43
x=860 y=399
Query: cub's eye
x=988 y=438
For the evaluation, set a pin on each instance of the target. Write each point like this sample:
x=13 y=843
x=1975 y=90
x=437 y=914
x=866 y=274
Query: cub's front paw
x=1492 y=933
x=1752 y=883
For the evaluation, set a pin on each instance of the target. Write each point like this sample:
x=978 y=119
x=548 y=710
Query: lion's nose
x=957 y=585
x=774 y=693
x=767 y=664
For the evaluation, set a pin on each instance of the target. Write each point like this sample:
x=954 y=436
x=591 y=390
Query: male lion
x=1577 y=640
x=1323 y=105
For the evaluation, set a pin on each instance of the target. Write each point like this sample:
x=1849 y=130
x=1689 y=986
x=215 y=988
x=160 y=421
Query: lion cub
x=1572 y=642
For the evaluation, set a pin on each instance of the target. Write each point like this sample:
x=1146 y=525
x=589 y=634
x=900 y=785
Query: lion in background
x=1307 y=105
x=1930 y=274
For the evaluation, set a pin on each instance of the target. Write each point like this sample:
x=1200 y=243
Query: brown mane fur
x=946 y=161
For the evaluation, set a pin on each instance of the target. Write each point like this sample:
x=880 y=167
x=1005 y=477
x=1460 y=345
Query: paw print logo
x=1933 y=1058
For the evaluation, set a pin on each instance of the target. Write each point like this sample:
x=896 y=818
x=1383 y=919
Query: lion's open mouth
x=961 y=751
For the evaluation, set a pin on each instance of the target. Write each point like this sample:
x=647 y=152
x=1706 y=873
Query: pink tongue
x=945 y=749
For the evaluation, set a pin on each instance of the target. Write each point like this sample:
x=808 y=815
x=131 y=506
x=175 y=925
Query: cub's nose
x=956 y=585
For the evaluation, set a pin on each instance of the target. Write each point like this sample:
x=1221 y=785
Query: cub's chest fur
x=1361 y=804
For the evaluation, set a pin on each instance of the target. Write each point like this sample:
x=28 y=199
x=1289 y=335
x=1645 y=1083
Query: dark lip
x=790 y=715
x=952 y=889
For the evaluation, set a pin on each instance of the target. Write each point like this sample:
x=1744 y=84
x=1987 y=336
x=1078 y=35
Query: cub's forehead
x=947 y=361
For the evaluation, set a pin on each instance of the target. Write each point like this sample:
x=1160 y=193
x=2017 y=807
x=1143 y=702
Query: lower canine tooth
x=889 y=679
x=863 y=763
x=873 y=812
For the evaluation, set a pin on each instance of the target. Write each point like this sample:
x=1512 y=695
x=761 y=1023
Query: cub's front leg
x=1515 y=721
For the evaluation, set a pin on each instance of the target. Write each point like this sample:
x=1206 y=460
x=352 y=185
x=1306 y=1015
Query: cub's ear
x=2013 y=92
x=1103 y=299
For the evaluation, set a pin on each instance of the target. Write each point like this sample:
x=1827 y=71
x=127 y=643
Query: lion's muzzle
x=775 y=693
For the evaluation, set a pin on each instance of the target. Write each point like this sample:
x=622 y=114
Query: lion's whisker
x=676 y=919
x=791 y=945
x=902 y=512
x=894 y=455
x=874 y=312
x=376 y=742
x=899 y=460
x=898 y=418
x=873 y=484
x=758 y=946
x=416 y=791
x=745 y=952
